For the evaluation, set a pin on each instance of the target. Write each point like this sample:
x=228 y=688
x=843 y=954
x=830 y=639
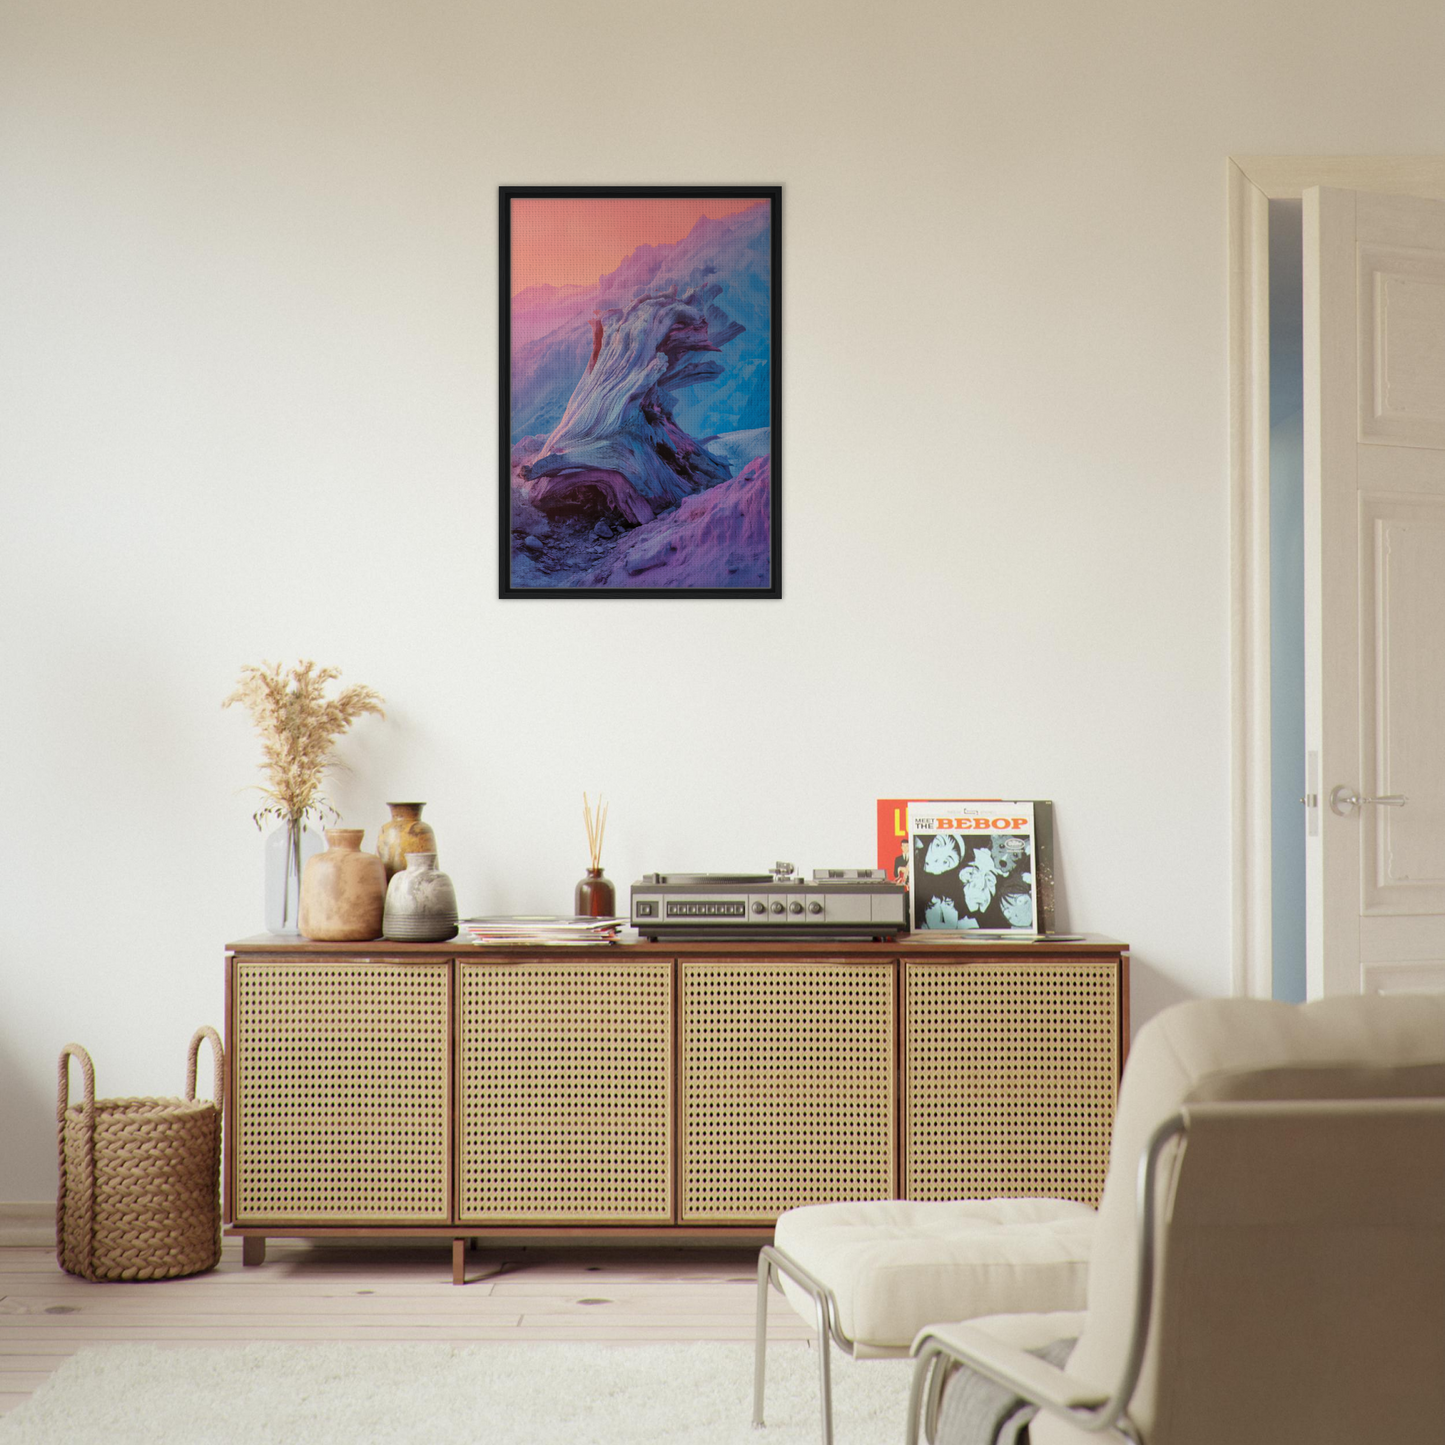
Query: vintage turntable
x=834 y=903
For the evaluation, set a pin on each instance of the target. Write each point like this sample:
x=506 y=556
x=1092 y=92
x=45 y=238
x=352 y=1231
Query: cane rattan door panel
x=1010 y=1079
x=787 y=1086
x=566 y=1092
x=342 y=1087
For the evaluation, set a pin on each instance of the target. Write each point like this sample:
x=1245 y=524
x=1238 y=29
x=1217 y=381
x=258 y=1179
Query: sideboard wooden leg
x=459 y=1261
x=253 y=1249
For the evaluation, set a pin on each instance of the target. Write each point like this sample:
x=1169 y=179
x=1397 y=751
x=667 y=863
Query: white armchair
x=1269 y=1259
x=870 y=1275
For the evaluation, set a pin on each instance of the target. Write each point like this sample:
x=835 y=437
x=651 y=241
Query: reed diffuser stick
x=596 y=827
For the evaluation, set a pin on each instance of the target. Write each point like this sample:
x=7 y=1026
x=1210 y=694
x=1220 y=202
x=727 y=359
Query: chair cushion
x=896 y=1265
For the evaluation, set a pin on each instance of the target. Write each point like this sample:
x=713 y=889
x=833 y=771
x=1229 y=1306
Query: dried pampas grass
x=298 y=724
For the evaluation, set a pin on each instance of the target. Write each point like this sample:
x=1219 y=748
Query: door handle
x=1344 y=800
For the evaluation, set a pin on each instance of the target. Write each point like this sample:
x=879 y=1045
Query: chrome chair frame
x=937 y=1358
x=771 y=1264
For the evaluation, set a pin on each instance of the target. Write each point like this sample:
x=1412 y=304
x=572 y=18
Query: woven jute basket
x=139 y=1178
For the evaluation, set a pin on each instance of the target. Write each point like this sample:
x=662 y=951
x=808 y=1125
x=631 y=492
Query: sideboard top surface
x=911 y=946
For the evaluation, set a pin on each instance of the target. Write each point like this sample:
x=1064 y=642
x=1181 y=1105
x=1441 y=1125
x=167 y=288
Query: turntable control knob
x=777 y=908
x=815 y=907
x=795 y=907
x=759 y=906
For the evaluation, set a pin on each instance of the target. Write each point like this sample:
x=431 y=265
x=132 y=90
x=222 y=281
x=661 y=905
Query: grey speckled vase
x=421 y=904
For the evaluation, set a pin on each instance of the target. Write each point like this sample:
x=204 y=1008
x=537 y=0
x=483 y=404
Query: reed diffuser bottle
x=595 y=896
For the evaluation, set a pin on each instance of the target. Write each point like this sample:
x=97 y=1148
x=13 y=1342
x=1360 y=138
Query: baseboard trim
x=27 y=1223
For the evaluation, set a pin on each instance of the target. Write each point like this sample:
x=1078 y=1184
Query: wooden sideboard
x=657 y=1091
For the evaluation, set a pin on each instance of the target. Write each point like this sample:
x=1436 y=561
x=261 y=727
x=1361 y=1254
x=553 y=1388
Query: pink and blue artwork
x=639 y=391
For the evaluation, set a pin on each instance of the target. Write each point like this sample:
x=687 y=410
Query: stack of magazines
x=525 y=928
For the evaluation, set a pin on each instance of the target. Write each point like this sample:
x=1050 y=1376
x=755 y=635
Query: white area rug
x=490 y=1394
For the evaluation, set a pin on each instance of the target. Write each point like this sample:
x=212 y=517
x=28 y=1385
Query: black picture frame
x=674 y=541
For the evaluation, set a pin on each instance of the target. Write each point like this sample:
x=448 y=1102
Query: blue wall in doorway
x=1286 y=597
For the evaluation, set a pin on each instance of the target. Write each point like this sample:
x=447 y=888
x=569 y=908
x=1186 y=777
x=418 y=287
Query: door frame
x=1254 y=181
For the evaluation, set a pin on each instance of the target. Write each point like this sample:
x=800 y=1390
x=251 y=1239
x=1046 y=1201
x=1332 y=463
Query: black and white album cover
x=974 y=867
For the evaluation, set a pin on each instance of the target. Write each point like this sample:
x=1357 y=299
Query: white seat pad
x=897 y=1265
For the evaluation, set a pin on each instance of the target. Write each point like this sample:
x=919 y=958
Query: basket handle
x=218 y=1055
x=84 y=1186
x=87 y=1070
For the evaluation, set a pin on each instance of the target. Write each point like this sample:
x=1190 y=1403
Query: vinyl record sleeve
x=895 y=858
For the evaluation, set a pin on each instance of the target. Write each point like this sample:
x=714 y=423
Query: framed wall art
x=640 y=391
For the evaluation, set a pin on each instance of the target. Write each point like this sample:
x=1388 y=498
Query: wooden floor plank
x=56 y=1309
x=335 y=1261
x=23 y=1381
x=40 y=1361
x=66 y=1290
x=45 y=1310
x=48 y=1336
x=551 y=1332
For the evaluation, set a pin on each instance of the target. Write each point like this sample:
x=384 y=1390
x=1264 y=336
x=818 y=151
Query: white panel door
x=1374 y=278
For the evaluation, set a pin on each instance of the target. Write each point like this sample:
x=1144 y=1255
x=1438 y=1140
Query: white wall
x=248 y=289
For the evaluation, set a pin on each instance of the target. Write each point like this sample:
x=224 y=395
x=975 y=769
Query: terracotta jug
x=404 y=833
x=343 y=890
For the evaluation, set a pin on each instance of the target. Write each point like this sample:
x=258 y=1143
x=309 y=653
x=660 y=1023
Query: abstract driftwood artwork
x=640 y=392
